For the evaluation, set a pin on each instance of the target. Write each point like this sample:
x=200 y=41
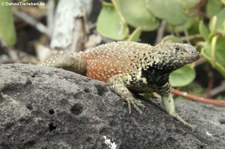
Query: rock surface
x=51 y=108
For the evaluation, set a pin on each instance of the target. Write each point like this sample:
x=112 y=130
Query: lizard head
x=175 y=55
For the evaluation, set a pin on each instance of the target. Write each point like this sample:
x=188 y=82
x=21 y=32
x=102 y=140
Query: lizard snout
x=195 y=55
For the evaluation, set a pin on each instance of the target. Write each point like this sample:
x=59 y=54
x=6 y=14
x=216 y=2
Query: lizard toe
x=136 y=104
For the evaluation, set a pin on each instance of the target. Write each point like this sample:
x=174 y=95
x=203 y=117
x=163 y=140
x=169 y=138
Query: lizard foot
x=135 y=103
x=176 y=116
x=168 y=103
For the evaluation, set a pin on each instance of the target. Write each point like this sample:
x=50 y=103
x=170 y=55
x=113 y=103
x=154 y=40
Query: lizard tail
x=67 y=62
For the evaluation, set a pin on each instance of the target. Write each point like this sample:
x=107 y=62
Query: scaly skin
x=129 y=66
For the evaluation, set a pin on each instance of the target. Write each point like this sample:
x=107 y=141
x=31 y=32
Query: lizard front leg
x=119 y=83
x=168 y=102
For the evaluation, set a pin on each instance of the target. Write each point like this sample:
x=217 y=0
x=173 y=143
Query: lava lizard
x=130 y=66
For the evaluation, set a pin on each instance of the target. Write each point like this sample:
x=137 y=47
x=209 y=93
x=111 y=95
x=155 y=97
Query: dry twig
x=31 y=21
x=198 y=99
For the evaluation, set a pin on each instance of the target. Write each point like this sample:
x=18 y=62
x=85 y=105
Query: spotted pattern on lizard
x=130 y=66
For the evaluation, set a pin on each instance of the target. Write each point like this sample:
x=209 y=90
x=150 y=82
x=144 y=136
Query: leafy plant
x=213 y=48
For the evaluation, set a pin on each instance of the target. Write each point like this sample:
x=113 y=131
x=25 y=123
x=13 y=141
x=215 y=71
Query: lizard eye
x=177 y=49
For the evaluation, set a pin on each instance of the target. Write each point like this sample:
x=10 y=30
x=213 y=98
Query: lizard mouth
x=194 y=57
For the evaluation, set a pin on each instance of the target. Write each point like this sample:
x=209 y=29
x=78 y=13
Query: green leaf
x=189 y=4
x=172 y=38
x=182 y=76
x=213 y=7
x=7 y=30
x=203 y=30
x=170 y=10
x=137 y=15
x=135 y=36
x=189 y=22
x=219 y=59
x=110 y=24
x=175 y=12
x=220 y=24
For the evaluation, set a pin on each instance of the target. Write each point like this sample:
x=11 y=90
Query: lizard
x=131 y=67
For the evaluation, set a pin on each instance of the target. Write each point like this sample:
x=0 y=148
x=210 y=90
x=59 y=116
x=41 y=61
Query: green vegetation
x=7 y=30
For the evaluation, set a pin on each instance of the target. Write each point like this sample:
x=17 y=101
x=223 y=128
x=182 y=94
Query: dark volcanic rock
x=51 y=108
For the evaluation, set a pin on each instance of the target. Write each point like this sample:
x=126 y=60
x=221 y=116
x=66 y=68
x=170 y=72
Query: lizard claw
x=134 y=103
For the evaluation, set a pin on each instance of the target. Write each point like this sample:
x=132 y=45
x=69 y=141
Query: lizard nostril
x=196 y=55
